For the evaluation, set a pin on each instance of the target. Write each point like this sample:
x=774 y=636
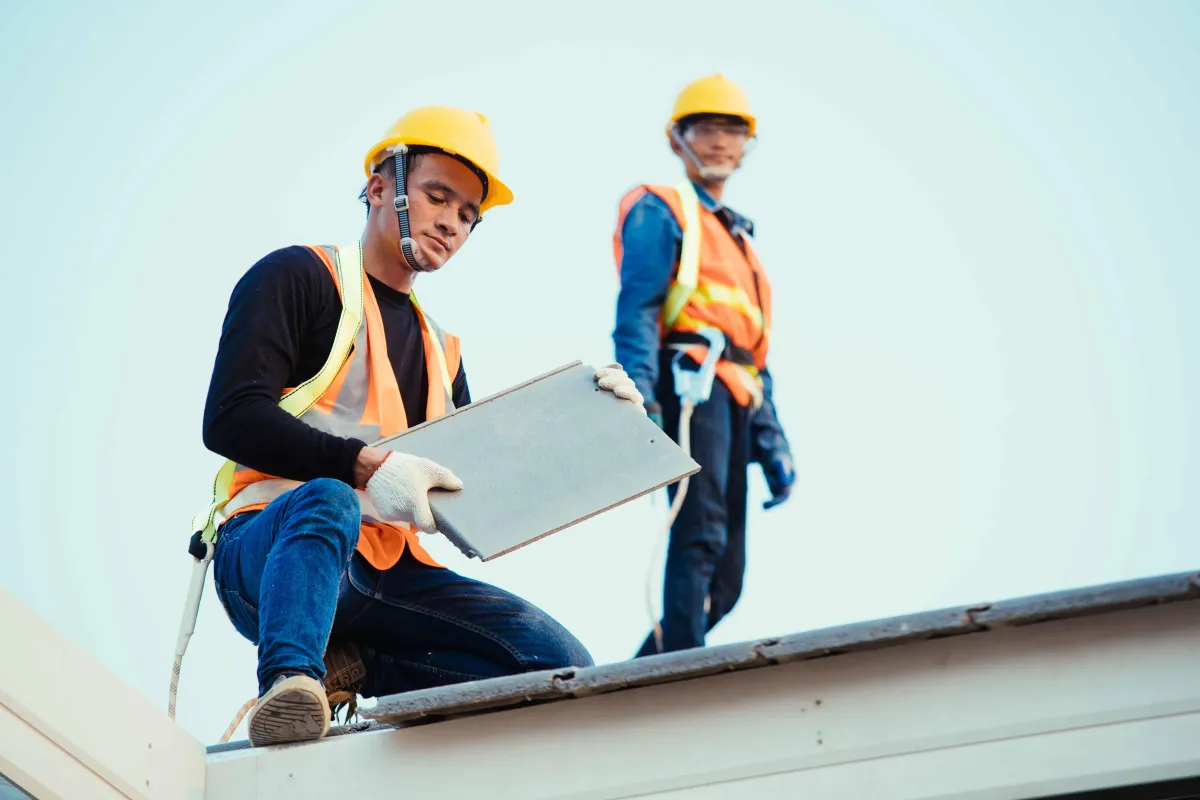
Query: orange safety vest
x=731 y=292
x=363 y=402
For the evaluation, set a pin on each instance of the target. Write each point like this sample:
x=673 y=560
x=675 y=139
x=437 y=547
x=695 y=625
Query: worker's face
x=719 y=142
x=443 y=205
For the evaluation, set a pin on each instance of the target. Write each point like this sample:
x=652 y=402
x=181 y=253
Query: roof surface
x=429 y=705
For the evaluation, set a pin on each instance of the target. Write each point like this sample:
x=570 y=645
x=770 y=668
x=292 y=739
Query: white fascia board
x=43 y=769
x=1015 y=768
x=1072 y=704
x=54 y=696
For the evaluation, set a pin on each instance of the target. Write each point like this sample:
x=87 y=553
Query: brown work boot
x=345 y=675
x=294 y=709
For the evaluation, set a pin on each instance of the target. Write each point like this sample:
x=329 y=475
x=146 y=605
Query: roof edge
x=429 y=705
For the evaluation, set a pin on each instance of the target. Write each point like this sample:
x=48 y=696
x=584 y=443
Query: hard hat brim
x=498 y=192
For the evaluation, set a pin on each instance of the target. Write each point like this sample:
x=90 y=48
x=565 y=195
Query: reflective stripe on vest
x=689 y=256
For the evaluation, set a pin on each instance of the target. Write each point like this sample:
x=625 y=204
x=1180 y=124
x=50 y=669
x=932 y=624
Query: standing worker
x=686 y=264
x=315 y=530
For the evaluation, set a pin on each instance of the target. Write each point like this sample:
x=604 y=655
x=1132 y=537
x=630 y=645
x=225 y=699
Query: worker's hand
x=654 y=412
x=781 y=477
x=399 y=489
x=368 y=460
x=613 y=379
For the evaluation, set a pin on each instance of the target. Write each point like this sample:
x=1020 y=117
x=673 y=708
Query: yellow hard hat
x=461 y=133
x=713 y=94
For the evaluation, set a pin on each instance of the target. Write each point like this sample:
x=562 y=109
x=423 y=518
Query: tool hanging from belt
x=694 y=386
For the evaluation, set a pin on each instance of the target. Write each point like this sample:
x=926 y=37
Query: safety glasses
x=711 y=131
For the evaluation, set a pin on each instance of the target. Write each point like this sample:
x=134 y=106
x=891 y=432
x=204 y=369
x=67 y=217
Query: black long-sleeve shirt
x=278 y=331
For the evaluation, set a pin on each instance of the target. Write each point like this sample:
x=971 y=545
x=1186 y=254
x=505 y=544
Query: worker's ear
x=377 y=190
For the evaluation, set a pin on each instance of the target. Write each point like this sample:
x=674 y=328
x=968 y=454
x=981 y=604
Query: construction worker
x=678 y=279
x=316 y=558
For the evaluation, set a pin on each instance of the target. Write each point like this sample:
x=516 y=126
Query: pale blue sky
x=980 y=220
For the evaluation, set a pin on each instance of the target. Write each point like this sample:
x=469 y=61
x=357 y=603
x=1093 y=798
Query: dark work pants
x=706 y=556
x=288 y=576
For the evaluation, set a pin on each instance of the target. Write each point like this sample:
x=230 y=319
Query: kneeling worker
x=317 y=538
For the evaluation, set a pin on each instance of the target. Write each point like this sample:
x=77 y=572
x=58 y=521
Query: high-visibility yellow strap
x=350 y=278
x=438 y=350
x=689 y=255
x=302 y=398
x=204 y=520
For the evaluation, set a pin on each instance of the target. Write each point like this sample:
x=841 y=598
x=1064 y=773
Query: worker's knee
x=567 y=651
x=702 y=544
x=329 y=499
x=702 y=529
x=327 y=507
x=551 y=646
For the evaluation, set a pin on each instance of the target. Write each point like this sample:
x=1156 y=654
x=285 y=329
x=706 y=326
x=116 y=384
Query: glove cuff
x=377 y=468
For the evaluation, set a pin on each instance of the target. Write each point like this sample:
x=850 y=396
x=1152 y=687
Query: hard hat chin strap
x=407 y=243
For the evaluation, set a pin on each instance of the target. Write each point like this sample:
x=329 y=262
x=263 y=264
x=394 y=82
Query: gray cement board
x=540 y=457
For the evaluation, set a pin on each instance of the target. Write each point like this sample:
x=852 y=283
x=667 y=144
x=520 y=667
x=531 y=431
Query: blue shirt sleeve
x=651 y=239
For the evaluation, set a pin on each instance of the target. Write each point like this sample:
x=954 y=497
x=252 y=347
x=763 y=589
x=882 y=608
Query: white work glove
x=613 y=379
x=400 y=488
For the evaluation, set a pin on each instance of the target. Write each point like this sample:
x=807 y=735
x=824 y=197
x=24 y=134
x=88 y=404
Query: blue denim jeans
x=289 y=577
x=706 y=556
